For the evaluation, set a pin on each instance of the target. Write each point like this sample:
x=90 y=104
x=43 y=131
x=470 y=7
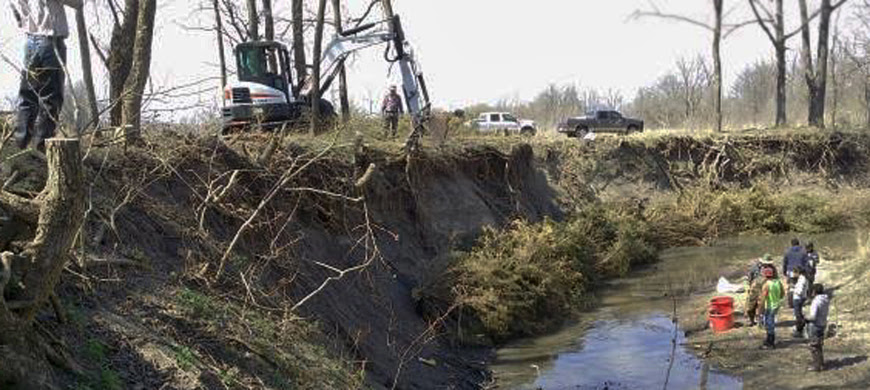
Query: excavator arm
x=387 y=32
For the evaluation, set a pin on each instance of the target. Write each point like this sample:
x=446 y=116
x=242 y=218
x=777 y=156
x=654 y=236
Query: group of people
x=797 y=288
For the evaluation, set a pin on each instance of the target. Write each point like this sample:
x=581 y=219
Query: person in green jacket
x=770 y=301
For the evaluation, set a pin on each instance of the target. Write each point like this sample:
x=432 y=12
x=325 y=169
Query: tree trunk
x=781 y=86
x=268 y=20
x=61 y=207
x=87 y=73
x=253 y=21
x=867 y=100
x=269 y=29
x=121 y=58
x=315 y=71
x=219 y=30
x=139 y=72
x=810 y=75
x=388 y=8
x=781 y=71
x=817 y=100
x=299 y=62
x=342 y=72
x=717 y=64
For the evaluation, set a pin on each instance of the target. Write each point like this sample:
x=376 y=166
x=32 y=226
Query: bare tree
x=87 y=72
x=297 y=11
x=778 y=39
x=120 y=57
x=693 y=75
x=219 y=30
x=269 y=21
x=315 y=70
x=716 y=29
x=816 y=76
x=253 y=21
x=134 y=88
x=342 y=73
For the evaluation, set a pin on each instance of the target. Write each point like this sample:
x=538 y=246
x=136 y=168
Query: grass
x=291 y=345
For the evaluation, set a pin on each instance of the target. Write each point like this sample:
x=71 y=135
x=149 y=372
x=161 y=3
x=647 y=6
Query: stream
x=625 y=342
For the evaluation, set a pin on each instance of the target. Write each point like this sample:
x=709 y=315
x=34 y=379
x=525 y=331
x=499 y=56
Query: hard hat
x=766 y=259
x=767 y=272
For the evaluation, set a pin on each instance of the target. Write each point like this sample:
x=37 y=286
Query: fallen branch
x=343 y=272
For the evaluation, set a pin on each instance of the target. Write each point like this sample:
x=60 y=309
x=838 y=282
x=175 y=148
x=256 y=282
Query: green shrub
x=524 y=279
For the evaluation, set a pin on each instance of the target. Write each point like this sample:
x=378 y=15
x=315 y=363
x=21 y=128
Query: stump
x=56 y=213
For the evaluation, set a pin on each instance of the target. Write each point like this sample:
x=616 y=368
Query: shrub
x=524 y=279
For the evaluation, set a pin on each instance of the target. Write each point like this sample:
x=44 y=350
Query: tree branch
x=658 y=14
x=761 y=22
x=21 y=207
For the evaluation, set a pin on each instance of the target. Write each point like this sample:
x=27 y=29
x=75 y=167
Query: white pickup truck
x=502 y=122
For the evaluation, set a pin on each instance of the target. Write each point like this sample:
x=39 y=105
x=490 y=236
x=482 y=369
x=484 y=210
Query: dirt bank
x=154 y=300
x=158 y=295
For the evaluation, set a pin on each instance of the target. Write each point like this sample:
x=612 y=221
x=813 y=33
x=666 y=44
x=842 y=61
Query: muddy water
x=626 y=341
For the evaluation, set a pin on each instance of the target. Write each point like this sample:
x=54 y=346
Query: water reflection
x=626 y=343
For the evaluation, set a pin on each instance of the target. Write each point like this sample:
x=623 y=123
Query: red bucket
x=722 y=304
x=721 y=320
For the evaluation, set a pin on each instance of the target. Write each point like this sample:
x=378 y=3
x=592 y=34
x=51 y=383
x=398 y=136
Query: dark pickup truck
x=599 y=122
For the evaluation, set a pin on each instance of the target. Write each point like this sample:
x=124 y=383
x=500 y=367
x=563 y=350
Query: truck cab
x=493 y=122
x=599 y=121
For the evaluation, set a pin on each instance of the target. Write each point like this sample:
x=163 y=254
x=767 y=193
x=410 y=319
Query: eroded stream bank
x=625 y=342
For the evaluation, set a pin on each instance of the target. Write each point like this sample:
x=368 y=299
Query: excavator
x=264 y=93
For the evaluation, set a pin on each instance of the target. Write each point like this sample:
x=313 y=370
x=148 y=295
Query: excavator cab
x=266 y=63
x=264 y=91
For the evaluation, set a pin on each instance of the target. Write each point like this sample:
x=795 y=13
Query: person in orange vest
x=770 y=301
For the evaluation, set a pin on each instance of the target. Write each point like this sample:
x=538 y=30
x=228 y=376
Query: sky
x=471 y=51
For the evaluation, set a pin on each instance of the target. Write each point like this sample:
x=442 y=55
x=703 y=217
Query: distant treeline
x=683 y=98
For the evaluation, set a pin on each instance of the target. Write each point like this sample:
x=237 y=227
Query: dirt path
x=846 y=350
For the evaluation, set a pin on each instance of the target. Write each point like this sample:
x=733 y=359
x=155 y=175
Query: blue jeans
x=41 y=90
x=770 y=321
x=799 y=314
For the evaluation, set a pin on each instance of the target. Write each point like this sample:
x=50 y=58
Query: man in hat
x=756 y=282
x=770 y=300
x=391 y=109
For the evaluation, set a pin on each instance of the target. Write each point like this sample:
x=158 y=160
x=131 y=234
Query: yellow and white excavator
x=264 y=92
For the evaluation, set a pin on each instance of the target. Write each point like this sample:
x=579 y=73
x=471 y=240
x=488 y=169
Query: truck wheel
x=527 y=131
x=631 y=129
x=581 y=132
